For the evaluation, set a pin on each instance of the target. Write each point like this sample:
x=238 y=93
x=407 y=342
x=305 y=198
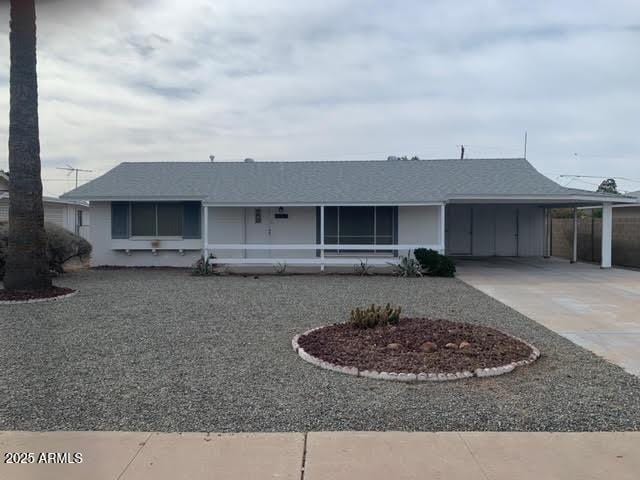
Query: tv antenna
x=71 y=169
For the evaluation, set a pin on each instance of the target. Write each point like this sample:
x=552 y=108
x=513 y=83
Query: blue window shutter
x=191 y=220
x=120 y=220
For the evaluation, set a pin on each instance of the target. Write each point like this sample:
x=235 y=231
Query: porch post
x=205 y=235
x=547 y=233
x=322 y=238
x=607 y=230
x=574 y=254
x=442 y=229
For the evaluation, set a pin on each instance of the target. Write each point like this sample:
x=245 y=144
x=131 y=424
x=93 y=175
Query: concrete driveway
x=595 y=308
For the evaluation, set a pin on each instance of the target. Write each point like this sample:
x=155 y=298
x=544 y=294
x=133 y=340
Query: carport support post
x=322 y=238
x=205 y=234
x=607 y=230
x=442 y=229
x=574 y=254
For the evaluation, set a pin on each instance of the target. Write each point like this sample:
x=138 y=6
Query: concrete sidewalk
x=327 y=455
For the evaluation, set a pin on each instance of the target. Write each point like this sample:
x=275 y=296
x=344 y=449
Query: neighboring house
x=324 y=213
x=70 y=214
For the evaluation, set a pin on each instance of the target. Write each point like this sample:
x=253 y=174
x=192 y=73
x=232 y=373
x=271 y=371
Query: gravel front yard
x=163 y=351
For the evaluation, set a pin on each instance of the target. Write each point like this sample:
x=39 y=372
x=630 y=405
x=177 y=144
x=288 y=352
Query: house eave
x=164 y=198
x=554 y=199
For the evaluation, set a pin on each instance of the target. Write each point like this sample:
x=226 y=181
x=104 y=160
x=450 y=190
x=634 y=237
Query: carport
x=519 y=226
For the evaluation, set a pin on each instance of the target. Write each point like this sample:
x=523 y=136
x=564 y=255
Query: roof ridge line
x=231 y=162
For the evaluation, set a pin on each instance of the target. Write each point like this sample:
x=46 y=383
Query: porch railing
x=349 y=254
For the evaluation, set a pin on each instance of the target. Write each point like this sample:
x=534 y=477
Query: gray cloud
x=338 y=79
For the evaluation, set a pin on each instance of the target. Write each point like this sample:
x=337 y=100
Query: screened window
x=151 y=219
x=359 y=225
x=169 y=219
x=143 y=219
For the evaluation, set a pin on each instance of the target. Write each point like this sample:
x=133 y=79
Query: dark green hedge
x=435 y=264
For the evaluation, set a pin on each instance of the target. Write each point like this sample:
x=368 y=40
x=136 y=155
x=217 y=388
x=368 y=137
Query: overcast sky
x=142 y=80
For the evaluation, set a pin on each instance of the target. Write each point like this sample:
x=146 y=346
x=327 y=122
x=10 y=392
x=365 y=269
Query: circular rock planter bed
x=414 y=350
x=28 y=296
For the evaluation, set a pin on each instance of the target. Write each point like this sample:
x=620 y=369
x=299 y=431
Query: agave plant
x=280 y=268
x=407 y=267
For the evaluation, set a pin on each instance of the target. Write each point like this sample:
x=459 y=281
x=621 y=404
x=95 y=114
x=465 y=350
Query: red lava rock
x=346 y=345
x=21 y=295
x=429 y=347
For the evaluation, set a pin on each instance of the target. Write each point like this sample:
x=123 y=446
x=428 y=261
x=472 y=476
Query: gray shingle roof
x=395 y=181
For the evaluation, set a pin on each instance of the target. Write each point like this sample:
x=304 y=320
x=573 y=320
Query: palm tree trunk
x=27 y=266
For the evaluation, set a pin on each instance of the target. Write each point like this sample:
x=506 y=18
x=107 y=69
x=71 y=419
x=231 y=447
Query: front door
x=258 y=225
x=458 y=225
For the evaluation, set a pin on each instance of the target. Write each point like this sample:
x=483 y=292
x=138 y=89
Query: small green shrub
x=203 y=268
x=407 y=267
x=375 y=316
x=434 y=264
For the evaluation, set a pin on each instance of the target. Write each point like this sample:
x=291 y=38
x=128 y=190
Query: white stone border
x=38 y=300
x=413 y=377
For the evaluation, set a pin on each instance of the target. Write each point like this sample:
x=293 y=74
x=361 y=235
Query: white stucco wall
x=227 y=225
x=108 y=251
x=419 y=225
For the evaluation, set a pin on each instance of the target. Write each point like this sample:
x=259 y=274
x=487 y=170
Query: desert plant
x=204 y=268
x=62 y=245
x=280 y=268
x=375 y=316
x=407 y=267
x=363 y=269
x=434 y=264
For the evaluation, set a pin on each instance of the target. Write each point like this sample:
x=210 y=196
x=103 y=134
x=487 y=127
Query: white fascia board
x=141 y=199
x=541 y=199
x=60 y=201
x=624 y=205
x=326 y=204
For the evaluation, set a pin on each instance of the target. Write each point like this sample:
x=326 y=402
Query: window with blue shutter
x=191 y=220
x=155 y=219
x=120 y=220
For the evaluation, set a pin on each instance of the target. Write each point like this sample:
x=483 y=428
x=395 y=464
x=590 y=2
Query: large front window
x=359 y=225
x=155 y=219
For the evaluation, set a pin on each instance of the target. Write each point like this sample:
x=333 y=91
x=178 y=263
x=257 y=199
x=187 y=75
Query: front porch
x=320 y=236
